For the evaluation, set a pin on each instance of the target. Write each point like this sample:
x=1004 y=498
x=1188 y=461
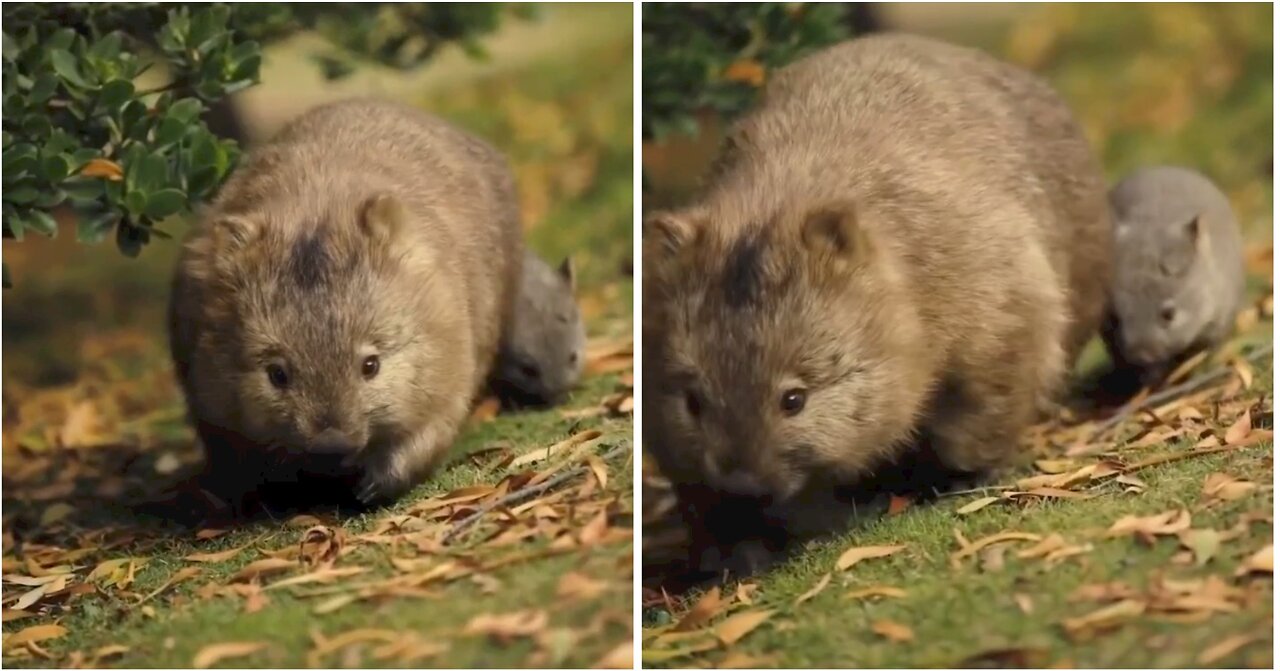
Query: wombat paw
x=377 y=488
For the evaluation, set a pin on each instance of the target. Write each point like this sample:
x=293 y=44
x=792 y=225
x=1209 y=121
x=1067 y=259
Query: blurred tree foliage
x=79 y=131
x=714 y=57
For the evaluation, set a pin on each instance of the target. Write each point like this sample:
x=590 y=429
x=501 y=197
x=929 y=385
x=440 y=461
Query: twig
x=1171 y=393
x=526 y=493
x=976 y=490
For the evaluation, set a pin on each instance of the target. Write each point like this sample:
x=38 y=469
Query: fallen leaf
x=574 y=585
x=206 y=534
x=320 y=546
x=1225 y=487
x=976 y=505
x=39 y=632
x=702 y=611
x=215 y=557
x=739 y=625
x=507 y=626
x=262 y=567
x=856 y=554
x=548 y=452
x=973 y=548
x=212 y=654
x=897 y=504
x=821 y=585
x=1242 y=369
x=1107 y=616
x=1237 y=432
x=1147 y=528
x=1225 y=647
x=878 y=591
x=1203 y=543
x=1025 y=604
x=56 y=513
x=620 y=657
x=899 y=633
x=486 y=410
x=1258 y=562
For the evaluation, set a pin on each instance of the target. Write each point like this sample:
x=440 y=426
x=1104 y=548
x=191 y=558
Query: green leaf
x=56 y=168
x=115 y=93
x=42 y=223
x=170 y=131
x=44 y=87
x=7 y=281
x=84 y=190
x=65 y=65
x=135 y=202
x=22 y=195
x=93 y=227
x=14 y=226
x=165 y=202
x=185 y=110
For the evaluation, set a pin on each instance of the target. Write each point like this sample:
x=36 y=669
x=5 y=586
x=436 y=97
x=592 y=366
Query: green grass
x=86 y=325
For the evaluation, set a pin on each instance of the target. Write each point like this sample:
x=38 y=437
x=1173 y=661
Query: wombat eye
x=692 y=403
x=370 y=366
x=275 y=373
x=793 y=401
x=1167 y=313
x=573 y=358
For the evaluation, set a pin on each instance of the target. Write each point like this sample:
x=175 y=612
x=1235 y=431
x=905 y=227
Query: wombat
x=541 y=358
x=341 y=302
x=898 y=254
x=1179 y=278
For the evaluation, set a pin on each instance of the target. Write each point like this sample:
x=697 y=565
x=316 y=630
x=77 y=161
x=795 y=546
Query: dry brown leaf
x=1147 y=528
x=39 y=632
x=898 y=504
x=1225 y=647
x=1025 y=604
x=1107 y=616
x=898 y=633
x=1245 y=372
x=215 y=557
x=103 y=168
x=574 y=585
x=976 y=505
x=969 y=549
x=599 y=469
x=620 y=657
x=702 y=611
x=738 y=625
x=856 y=554
x=1258 y=562
x=327 y=646
x=741 y=660
x=813 y=591
x=744 y=592
x=877 y=591
x=261 y=568
x=1049 y=544
x=507 y=626
x=1227 y=488
x=320 y=546
x=746 y=71
x=1050 y=493
x=1237 y=432
x=486 y=410
x=212 y=654
x=1055 y=466
x=552 y=450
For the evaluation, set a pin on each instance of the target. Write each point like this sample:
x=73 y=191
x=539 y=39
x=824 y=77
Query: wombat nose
x=333 y=441
x=739 y=483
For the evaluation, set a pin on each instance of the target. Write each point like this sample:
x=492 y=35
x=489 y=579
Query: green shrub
x=80 y=133
x=714 y=57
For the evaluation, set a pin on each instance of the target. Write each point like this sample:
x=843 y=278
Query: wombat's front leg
x=390 y=473
x=234 y=469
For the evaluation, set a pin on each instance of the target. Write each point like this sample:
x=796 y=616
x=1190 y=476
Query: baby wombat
x=899 y=252
x=541 y=357
x=341 y=302
x=1179 y=278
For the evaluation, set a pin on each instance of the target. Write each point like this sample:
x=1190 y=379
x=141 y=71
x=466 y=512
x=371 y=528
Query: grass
x=1137 y=76
x=85 y=335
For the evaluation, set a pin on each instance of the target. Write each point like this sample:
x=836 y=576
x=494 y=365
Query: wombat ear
x=232 y=234
x=381 y=217
x=669 y=231
x=1191 y=229
x=833 y=230
x=566 y=271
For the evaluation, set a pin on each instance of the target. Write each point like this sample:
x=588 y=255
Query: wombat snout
x=333 y=441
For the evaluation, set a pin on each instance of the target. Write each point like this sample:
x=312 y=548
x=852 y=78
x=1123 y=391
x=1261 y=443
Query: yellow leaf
x=739 y=625
x=214 y=557
x=101 y=167
x=899 y=633
x=856 y=554
x=618 y=658
x=702 y=611
x=822 y=584
x=39 y=632
x=1239 y=430
x=261 y=568
x=976 y=505
x=745 y=71
x=1259 y=562
x=1225 y=647
x=1104 y=617
x=212 y=654
x=869 y=592
x=509 y=625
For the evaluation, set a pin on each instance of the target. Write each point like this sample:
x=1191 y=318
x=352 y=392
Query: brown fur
x=915 y=234
x=363 y=229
